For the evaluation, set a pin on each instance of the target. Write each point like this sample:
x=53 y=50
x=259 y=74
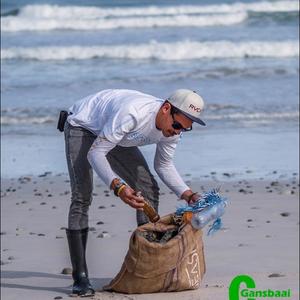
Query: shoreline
x=259 y=237
x=246 y=153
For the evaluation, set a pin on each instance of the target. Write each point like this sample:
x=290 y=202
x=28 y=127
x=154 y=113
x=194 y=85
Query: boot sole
x=81 y=296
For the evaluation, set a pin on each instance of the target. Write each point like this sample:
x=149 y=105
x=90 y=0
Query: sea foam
x=183 y=50
x=54 y=17
x=213 y=112
x=12 y=24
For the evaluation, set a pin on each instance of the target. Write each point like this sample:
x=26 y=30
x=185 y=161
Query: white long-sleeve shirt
x=126 y=118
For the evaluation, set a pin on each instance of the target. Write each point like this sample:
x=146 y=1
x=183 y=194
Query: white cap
x=189 y=103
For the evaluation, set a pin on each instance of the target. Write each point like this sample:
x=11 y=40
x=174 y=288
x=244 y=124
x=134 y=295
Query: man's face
x=167 y=128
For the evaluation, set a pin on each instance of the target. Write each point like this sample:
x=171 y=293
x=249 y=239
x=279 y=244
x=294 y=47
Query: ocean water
x=241 y=56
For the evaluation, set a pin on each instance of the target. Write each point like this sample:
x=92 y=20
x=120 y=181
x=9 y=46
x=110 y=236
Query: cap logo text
x=197 y=109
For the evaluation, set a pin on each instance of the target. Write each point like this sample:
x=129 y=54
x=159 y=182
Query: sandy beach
x=241 y=56
x=259 y=237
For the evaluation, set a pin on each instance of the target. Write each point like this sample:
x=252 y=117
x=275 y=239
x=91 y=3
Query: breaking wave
x=213 y=112
x=258 y=116
x=54 y=17
x=23 y=24
x=183 y=50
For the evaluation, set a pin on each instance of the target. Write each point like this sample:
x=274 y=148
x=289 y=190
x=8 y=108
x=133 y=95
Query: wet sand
x=260 y=236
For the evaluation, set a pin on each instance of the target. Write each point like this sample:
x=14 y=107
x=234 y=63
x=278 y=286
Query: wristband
x=117 y=187
x=191 y=196
x=122 y=187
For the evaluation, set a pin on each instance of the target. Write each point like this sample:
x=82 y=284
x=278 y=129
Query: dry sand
x=260 y=237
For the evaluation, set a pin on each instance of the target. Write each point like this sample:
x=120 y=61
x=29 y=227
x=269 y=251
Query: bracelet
x=191 y=196
x=117 y=187
x=122 y=187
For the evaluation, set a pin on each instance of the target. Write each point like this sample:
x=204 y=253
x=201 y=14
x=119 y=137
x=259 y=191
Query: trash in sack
x=160 y=237
x=210 y=206
x=162 y=257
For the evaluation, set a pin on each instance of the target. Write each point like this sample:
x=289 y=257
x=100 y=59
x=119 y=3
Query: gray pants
x=127 y=162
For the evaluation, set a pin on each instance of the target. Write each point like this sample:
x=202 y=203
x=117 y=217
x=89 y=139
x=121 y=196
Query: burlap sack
x=151 y=267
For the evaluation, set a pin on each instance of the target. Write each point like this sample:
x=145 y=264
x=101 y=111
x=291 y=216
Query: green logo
x=249 y=293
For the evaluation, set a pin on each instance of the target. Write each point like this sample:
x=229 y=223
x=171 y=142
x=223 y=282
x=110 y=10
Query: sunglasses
x=177 y=126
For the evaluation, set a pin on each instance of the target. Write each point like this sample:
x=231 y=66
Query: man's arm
x=97 y=159
x=165 y=168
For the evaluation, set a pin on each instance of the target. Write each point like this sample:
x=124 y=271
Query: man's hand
x=128 y=195
x=190 y=197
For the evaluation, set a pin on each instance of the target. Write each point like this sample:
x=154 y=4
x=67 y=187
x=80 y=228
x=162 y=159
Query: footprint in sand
x=66 y=271
x=285 y=214
x=103 y=235
x=275 y=275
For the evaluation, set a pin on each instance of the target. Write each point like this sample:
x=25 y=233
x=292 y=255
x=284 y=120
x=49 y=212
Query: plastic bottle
x=203 y=217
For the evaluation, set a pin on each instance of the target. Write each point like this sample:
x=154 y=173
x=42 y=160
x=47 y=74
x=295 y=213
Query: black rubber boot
x=77 y=240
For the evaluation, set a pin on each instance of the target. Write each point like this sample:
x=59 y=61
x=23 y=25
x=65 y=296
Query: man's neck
x=158 y=119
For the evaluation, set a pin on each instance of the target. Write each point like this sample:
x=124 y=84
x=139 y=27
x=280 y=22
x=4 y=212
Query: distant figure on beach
x=103 y=132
